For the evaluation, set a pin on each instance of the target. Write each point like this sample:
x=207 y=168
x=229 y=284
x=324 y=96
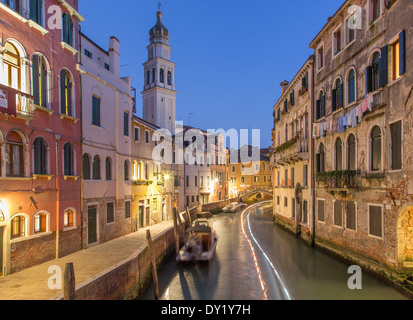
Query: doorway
x=405 y=238
x=140 y=218
x=1 y=251
x=92 y=225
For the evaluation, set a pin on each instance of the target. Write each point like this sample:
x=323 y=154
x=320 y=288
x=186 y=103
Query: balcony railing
x=15 y=5
x=339 y=179
x=16 y=103
x=292 y=151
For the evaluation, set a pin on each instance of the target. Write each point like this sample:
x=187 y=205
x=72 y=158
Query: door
x=148 y=216
x=92 y=225
x=1 y=251
x=140 y=217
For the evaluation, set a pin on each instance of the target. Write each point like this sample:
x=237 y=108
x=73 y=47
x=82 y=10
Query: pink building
x=40 y=133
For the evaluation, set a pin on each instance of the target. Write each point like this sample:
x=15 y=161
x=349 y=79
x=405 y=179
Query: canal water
x=257 y=260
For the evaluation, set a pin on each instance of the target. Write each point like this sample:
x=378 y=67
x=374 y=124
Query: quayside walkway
x=32 y=283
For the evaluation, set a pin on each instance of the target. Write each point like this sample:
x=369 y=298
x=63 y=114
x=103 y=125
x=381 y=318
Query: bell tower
x=159 y=95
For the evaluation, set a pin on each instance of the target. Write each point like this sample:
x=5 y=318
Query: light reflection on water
x=231 y=275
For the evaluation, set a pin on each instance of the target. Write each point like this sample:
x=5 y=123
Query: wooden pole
x=176 y=231
x=69 y=282
x=189 y=216
x=153 y=263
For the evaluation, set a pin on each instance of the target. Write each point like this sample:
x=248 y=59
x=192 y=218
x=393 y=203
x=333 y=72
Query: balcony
x=295 y=150
x=339 y=180
x=16 y=103
x=15 y=8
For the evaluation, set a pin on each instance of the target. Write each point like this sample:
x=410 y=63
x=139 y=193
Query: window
x=373 y=74
x=321 y=210
x=196 y=181
x=40 y=223
x=137 y=134
x=86 y=167
x=88 y=54
x=187 y=181
x=242 y=179
x=40 y=156
x=305 y=176
x=126 y=170
x=351 y=87
x=375 y=149
x=393 y=60
x=12 y=66
x=147 y=137
x=14 y=146
x=292 y=177
x=321 y=106
x=351 y=220
x=18 y=227
x=154 y=204
x=126 y=124
x=285 y=202
x=304 y=217
x=337 y=96
x=36 y=11
x=148 y=77
x=108 y=164
x=107 y=67
x=285 y=177
x=338 y=213
x=65 y=93
x=351 y=30
x=153 y=75
x=375 y=9
x=339 y=154
x=146 y=171
x=376 y=221
x=39 y=81
x=68 y=160
x=162 y=76
x=96 y=111
x=127 y=209
x=169 y=78
x=320 y=159
x=256 y=179
x=68 y=219
x=396 y=145
x=96 y=168
x=351 y=153
x=320 y=57
x=337 y=41
x=110 y=212
x=67 y=30
x=293 y=210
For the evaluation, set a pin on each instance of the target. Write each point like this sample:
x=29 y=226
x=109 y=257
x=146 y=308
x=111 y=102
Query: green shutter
x=402 y=43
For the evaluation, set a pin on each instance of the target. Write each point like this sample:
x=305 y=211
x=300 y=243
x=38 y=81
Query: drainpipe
x=81 y=139
x=312 y=180
x=57 y=196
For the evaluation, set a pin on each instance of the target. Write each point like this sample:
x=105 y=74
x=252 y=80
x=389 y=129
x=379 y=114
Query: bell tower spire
x=159 y=95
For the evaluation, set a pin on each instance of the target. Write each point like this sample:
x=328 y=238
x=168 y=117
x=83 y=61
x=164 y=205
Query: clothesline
x=351 y=119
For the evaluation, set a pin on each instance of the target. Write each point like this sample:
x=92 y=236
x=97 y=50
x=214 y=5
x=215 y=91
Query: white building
x=107 y=108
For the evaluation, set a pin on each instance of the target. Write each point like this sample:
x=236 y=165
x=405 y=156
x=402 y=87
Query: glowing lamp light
x=167 y=177
x=4 y=212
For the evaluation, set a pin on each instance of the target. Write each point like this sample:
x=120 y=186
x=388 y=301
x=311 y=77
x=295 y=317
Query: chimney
x=284 y=86
x=114 y=56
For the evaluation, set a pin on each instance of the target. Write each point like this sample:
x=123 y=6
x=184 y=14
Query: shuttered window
x=396 y=145
x=110 y=212
x=305 y=212
x=96 y=111
x=321 y=210
x=127 y=210
x=376 y=221
x=338 y=213
x=39 y=81
x=351 y=221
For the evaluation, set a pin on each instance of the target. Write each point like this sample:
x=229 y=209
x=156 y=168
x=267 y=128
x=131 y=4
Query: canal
x=258 y=260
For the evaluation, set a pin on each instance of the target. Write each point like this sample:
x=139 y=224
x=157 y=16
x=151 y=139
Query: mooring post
x=153 y=263
x=189 y=216
x=69 y=282
x=176 y=231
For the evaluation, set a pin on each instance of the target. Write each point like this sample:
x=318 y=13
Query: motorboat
x=237 y=207
x=202 y=244
x=230 y=207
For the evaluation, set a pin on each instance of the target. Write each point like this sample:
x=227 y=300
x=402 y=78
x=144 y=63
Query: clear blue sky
x=231 y=55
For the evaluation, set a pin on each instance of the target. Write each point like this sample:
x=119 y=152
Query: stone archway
x=405 y=238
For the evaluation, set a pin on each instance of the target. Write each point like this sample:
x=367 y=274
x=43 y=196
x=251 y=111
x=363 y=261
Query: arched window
x=169 y=78
x=321 y=158
x=375 y=72
x=65 y=93
x=39 y=81
x=162 y=76
x=12 y=66
x=67 y=30
x=339 y=154
x=69 y=218
x=86 y=167
x=286 y=132
x=14 y=162
x=351 y=84
x=40 y=156
x=126 y=170
x=351 y=152
x=108 y=169
x=153 y=75
x=376 y=149
x=40 y=223
x=146 y=171
x=68 y=160
x=337 y=96
x=148 y=77
x=18 y=227
x=96 y=168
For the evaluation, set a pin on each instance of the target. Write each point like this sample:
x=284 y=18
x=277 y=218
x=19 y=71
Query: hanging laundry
x=340 y=124
x=370 y=102
x=359 y=113
x=321 y=130
x=327 y=126
x=353 y=115
x=314 y=131
x=364 y=106
x=349 y=120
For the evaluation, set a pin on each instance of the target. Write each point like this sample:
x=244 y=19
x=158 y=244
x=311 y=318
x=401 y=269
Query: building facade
x=362 y=133
x=40 y=134
x=107 y=109
x=292 y=152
